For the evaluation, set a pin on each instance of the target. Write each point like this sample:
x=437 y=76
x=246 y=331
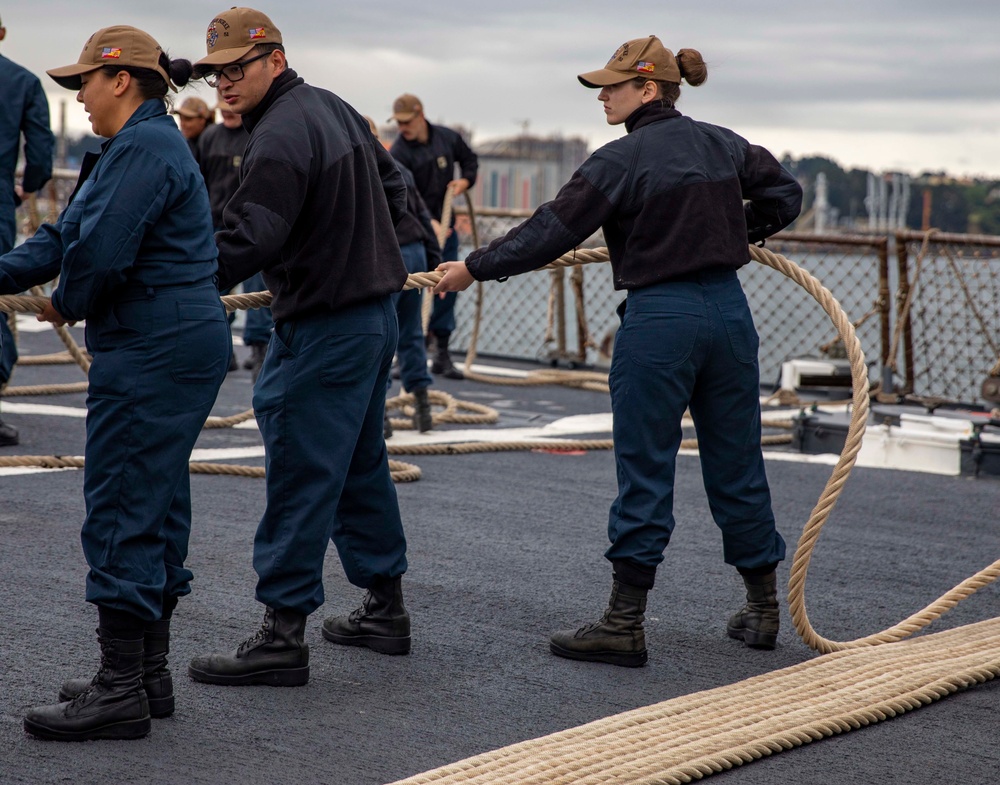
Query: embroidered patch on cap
x=646 y=68
x=213 y=35
x=112 y=52
x=257 y=32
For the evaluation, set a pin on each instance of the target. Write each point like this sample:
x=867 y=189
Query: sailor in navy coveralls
x=135 y=257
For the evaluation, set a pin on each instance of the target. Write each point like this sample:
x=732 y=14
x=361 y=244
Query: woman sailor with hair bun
x=135 y=256
x=670 y=198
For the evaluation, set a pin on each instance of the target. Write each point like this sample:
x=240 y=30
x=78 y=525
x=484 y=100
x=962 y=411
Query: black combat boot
x=617 y=638
x=276 y=655
x=256 y=359
x=156 y=679
x=113 y=705
x=8 y=435
x=381 y=623
x=423 y=421
x=757 y=623
x=442 y=364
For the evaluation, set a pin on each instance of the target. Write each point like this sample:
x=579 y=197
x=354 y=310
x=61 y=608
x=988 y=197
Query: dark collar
x=152 y=107
x=285 y=82
x=649 y=113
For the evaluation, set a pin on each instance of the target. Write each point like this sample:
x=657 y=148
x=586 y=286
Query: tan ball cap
x=193 y=107
x=406 y=107
x=117 y=46
x=639 y=57
x=234 y=33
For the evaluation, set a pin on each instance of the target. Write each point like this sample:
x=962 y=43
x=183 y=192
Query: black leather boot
x=618 y=637
x=757 y=623
x=381 y=623
x=276 y=655
x=113 y=705
x=8 y=435
x=156 y=679
x=442 y=364
x=423 y=421
x=256 y=359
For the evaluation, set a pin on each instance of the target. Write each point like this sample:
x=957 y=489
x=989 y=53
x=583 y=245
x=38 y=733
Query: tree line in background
x=956 y=204
x=965 y=205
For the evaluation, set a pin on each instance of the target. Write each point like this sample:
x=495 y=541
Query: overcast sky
x=884 y=84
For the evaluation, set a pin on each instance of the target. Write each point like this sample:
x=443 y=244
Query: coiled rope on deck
x=853 y=684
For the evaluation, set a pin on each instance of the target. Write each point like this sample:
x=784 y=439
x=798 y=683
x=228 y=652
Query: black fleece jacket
x=416 y=226
x=433 y=163
x=318 y=201
x=669 y=197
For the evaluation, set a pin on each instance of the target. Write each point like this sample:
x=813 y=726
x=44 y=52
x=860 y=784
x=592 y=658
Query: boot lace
x=359 y=613
x=107 y=648
x=594 y=625
x=263 y=635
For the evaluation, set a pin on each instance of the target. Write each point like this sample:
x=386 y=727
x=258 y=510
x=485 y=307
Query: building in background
x=524 y=171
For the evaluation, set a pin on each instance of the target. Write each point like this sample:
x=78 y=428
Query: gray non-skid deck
x=503 y=549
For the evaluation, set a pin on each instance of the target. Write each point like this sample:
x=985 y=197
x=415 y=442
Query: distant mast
x=821 y=205
x=888 y=201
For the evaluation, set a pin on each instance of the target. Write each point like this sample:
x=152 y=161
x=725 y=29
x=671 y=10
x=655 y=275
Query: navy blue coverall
x=23 y=111
x=433 y=166
x=670 y=199
x=421 y=252
x=136 y=258
x=315 y=210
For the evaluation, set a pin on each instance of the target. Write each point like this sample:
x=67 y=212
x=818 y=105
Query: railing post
x=902 y=259
x=885 y=312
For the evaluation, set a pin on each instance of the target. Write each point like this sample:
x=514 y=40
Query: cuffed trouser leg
x=681 y=344
x=319 y=401
x=158 y=364
x=443 y=312
x=651 y=380
x=726 y=413
x=411 y=349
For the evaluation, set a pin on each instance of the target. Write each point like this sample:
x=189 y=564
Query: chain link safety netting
x=950 y=340
x=535 y=316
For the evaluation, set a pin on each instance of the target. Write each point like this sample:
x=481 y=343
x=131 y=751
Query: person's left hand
x=457 y=277
x=459 y=186
x=50 y=314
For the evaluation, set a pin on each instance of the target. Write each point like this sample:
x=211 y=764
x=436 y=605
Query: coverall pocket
x=660 y=339
x=114 y=375
x=350 y=359
x=194 y=330
x=743 y=338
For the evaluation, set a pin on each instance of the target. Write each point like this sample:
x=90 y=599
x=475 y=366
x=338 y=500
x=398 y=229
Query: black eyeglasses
x=233 y=72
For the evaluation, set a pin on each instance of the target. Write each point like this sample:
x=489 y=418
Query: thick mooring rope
x=854 y=684
x=693 y=736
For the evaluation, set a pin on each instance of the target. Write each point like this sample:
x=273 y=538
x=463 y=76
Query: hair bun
x=692 y=66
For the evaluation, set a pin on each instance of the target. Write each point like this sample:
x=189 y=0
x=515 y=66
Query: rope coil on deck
x=853 y=684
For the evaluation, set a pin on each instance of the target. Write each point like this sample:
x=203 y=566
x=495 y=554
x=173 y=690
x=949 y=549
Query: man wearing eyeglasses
x=315 y=212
